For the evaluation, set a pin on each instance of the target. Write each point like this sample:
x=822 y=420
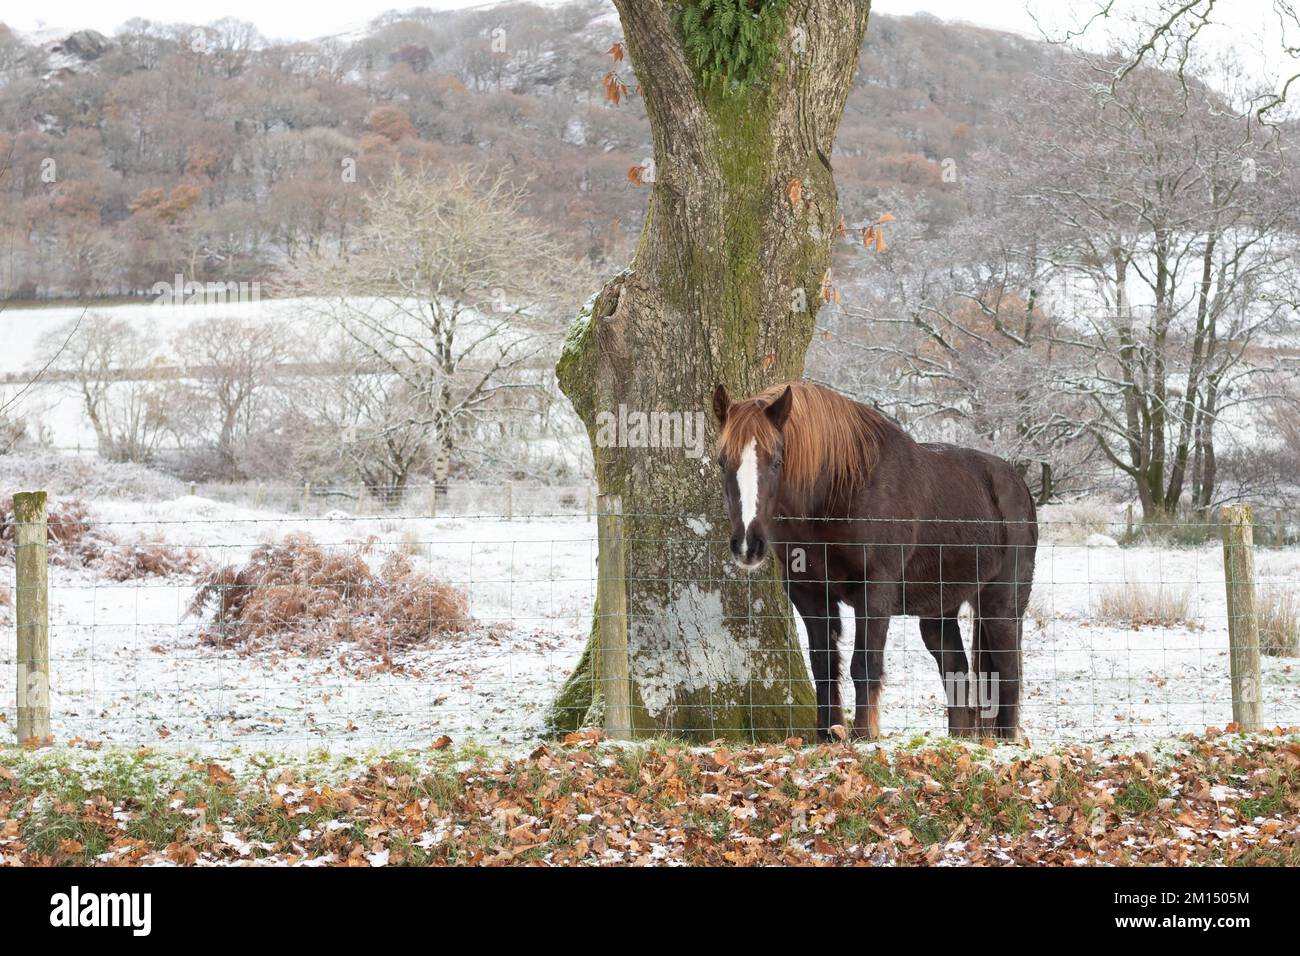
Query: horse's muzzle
x=748 y=551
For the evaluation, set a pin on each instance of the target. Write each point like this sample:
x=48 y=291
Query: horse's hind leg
x=997 y=661
x=942 y=638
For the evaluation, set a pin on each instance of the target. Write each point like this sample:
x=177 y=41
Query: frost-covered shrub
x=67 y=476
x=1076 y=521
x=76 y=541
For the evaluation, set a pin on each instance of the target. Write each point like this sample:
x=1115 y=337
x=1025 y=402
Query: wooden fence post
x=306 y=496
x=433 y=500
x=611 y=599
x=33 y=610
x=1243 y=626
x=510 y=500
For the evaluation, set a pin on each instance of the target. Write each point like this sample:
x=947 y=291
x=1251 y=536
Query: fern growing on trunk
x=731 y=40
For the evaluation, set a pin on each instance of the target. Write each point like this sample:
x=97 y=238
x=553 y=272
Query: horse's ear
x=721 y=403
x=779 y=411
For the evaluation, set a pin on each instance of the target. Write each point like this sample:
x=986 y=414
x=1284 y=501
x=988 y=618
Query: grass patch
x=1139 y=797
x=1136 y=604
x=1278 y=610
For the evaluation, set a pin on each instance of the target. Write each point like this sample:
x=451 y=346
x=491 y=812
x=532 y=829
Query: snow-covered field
x=128 y=665
x=27 y=334
x=51 y=405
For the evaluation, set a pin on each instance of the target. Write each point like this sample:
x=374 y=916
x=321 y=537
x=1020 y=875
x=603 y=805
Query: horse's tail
x=1014 y=504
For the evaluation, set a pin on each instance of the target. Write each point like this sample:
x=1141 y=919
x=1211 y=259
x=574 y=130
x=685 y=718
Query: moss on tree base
x=578 y=704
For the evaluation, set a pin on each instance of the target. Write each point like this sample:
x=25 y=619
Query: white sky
x=1253 y=29
x=304 y=20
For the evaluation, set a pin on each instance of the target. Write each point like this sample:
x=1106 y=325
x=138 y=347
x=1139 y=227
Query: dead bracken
x=75 y=541
x=302 y=597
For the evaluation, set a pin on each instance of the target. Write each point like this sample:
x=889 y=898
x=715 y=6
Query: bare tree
x=1111 y=303
x=451 y=290
x=360 y=420
x=1177 y=224
x=230 y=369
x=115 y=372
x=1168 y=34
x=952 y=329
x=13 y=431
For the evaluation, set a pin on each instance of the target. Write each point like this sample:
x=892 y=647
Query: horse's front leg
x=822 y=622
x=868 y=667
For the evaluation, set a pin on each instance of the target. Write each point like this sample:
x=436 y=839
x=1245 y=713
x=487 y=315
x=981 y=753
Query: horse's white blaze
x=747 y=481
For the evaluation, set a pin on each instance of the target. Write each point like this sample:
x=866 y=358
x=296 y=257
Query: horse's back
x=979 y=508
x=1003 y=491
x=929 y=528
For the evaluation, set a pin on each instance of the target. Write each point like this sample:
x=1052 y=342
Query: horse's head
x=751 y=451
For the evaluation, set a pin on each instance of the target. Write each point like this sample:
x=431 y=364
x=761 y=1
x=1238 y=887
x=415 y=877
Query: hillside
x=214 y=153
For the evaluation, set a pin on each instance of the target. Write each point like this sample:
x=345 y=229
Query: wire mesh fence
x=296 y=631
x=421 y=498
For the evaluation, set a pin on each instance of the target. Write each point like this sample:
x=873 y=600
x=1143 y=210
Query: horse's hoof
x=1008 y=735
x=964 y=725
x=833 y=734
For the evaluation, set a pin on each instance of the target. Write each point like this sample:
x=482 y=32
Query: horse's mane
x=825 y=433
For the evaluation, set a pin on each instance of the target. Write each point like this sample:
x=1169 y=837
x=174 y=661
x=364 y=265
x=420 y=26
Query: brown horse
x=859 y=513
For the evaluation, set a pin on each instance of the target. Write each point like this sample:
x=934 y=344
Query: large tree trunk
x=724 y=288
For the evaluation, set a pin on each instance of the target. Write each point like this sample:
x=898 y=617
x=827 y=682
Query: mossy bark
x=724 y=288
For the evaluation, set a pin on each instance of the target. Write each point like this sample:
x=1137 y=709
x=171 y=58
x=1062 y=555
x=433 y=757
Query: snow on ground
x=128 y=666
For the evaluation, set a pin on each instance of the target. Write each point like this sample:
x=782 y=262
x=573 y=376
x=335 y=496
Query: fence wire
x=348 y=631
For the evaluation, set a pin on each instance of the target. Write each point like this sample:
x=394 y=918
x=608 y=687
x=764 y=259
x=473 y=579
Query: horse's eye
x=722 y=461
